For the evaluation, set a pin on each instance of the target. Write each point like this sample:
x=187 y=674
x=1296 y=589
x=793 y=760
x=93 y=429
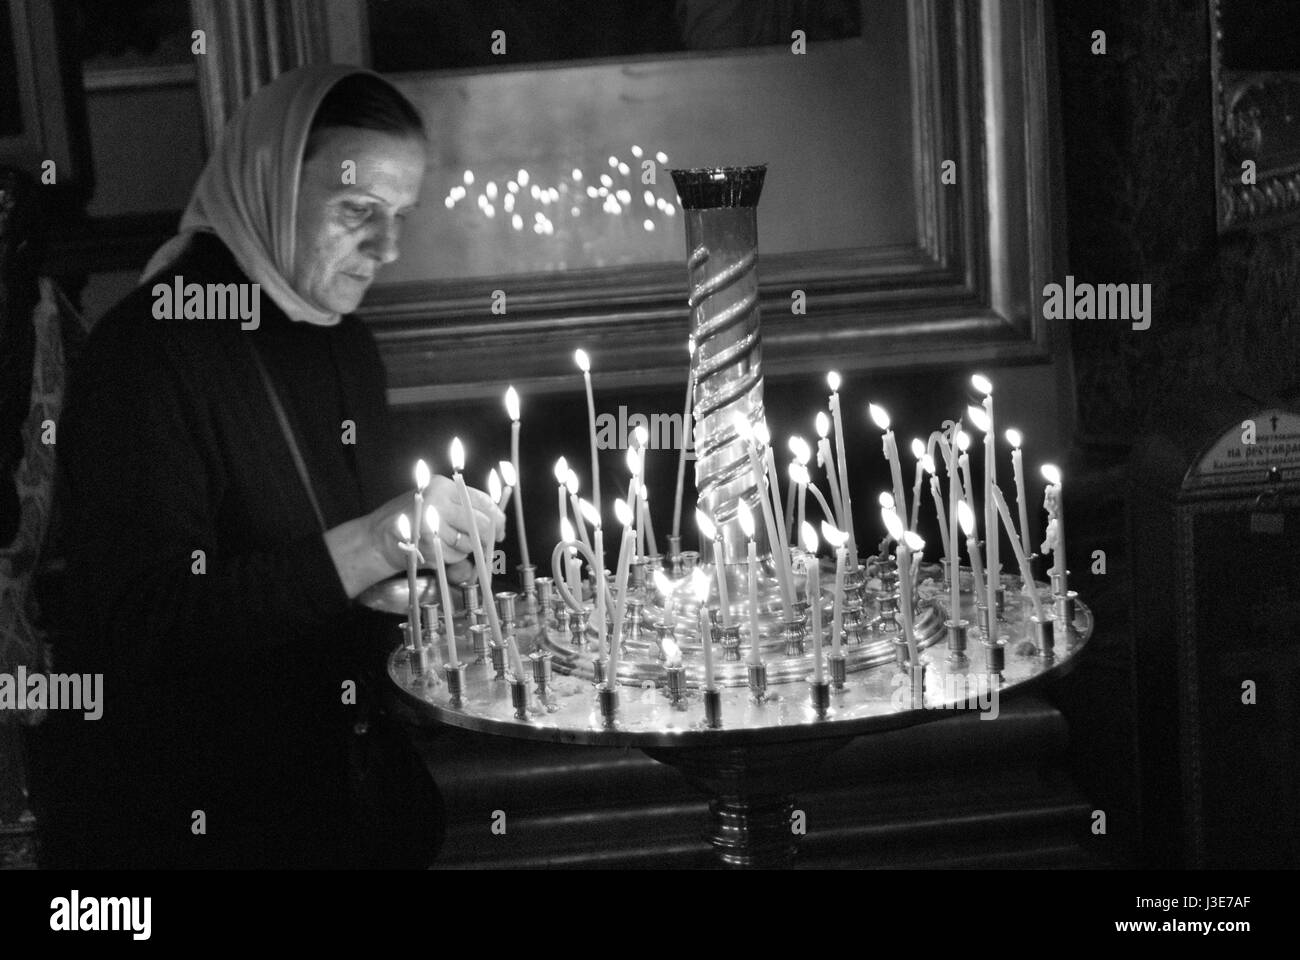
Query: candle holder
x=995 y=655
x=632 y=620
x=916 y=676
x=888 y=625
x=541 y=673
x=793 y=634
x=578 y=628
x=675 y=557
x=757 y=680
x=900 y=651
x=478 y=637
x=731 y=644
x=855 y=583
x=528 y=579
x=947 y=573
x=405 y=627
x=498 y=653
x=982 y=621
x=469 y=594
x=419 y=659
x=607 y=694
x=713 y=707
x=690 y=559
x=598 y=669
x=636 y=572
x=957 y=631
x=455 y=683
x=545 y=588
x=429 y=613
x=1063 y=607
x=519 y=698
x=853 y=622
x=820 y=694
x=676 y=683
x=478 y=616
x=1042 y=632
x=506 y=601
x=1000 y=598
x=839 y=669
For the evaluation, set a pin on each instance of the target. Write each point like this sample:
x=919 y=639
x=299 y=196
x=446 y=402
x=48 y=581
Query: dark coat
x=225 y=690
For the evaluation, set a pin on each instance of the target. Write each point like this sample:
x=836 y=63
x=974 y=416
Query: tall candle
x=908 y=542
x=937 y=497
x=700 y=586
x=837 y=539
x=571 y=484
x=434 y=521
x=584 y=364
x=881 y=418
x=1052 y=503
x=651 y=544
x=747 y=526
x=561 y=478
x=814 y=590
x=954 y=482
x=620 y=584
x=967 y=518
x=745 y=429
x=512 y=409
x=484 y=577
x=982 y=384
x=918 y=451
x=597 y=576
x=413 y=610
x=709 y=531
x=1021 y=559
x=774 y=490
x=417 y=516
x=833 y=381
x=826 y=461
x=684 y=444
x=1018 y=471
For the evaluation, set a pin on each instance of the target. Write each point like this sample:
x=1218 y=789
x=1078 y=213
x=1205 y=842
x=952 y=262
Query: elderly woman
x=229 y=493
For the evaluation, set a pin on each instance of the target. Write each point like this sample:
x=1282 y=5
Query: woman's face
x=353 y=195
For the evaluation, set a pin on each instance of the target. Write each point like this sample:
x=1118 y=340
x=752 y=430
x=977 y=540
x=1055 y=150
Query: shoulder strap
x=287 y=430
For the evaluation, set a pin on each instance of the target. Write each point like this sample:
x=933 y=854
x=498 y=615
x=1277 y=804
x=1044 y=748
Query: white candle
x=421 y=481
x=597 y=575
x=747 y=526
x=918 y=451
x=434 y=521
x=413 y=608
x=994 y=568
x=745 y=429
x=774 y=490
x=937 y=497
x=1021 y=559
x=881 y=418
x=709 y=531
x=700 y=585
x=837 y=539
x=1052 y=502
x=1018 y=471
x=561 y=478
x=584 y=364
x=833 y=381
x=681 y=456
x=571 y=484
x=967 y=518
x=620 y=583
x=826 y=461
x=954 y=482
x=512 y=409
x=814 y=591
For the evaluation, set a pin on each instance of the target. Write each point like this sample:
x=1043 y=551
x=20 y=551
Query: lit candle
x=881 y=419
x=747 y=526
x=746 y=432
x=421 y=481
x=814 y=591
x=624 y=513
x=510 y=478
x=434 y=521
x=937 y=497
x=651 y=543
x=681 y=456
x=837 y=539
x=994 y=568
x=584 y=364
x=774 y=490
x=802 y=454
x=484 y=577
x=700 y=586
x=918 y=451
x=413 y=610
x=908 y=542
x=709 y=531
x=1021 y=559
x=512 y=409
x=954 y=483
x=571 y=484
x=561 y=478
x=826 y=461
x=1018 y=471
x=571 y=563
x=966 y=516
x=634 y=462
x=833 y=381
x=494 y=491
x=598 y=594
x=963 y=462
x=799 y=475
x=1052 y=503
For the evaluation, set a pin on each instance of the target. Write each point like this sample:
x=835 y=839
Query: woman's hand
x=367 y=549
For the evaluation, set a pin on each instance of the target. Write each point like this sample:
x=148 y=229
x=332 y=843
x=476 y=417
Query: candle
x=1021 y=559
x=651 y=543
x=802 y=454
x=881 y=418
x=833 y=381
x=747 y=526
x=967 y=518
x=624 y=513
x=709 y=531
x=1052 y=503
x=745 y=429
x=571 y=563
x=963 y=462
x=434 y=521
x=509 y=477
x=512 y=409
x=634 y=462
x=774 y=490
x=918 y=451
x=937 y=497
x=824 y=459
x=584 y=364
x=799 y=474
x=484 y=577
x=571 y=484
x=421 y=481
x=597 y=576
x=908 y=542
x=994 y=568
x=814 y=591
x=494 y=491
x=954 y=483
x=700 y=586
x=837 y=539
x=1018 y=471
x=413 y=611
x=561 y=478
x=681 y=456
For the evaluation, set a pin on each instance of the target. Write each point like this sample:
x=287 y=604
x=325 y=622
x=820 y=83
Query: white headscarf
x=247 y=193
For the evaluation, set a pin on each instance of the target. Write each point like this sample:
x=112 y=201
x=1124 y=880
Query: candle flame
x=494 y=485
x=589 y=513
x=633 y=461
x=963 y=441
x=404 y=527
x=561 y=470
x=886 y=500
x=707 y=528
x=457 y=454
x=918 y=448
x=642 y=437
x=761 y=434
x=892 y=524
x=1013 y=437
x=799 y=473
x=571 y=481
x=582 y=360
x=835 y=537
x=672 y=652
x=700 y=585
x=567 y=533
x=913 y=541
x=421 y=475
x=833 y=381
x=432 y=519
x=823 y=425
x=623 y=512
x=966 y=517
x=746 y=519
x=508 y=473
x=927 y=463
x=808 y=537
x=1051 y=474
x=799 y=447
x=879 y=415
x=979 y=417
x=663 y=584
x=744 y=429
x=981 y=383
x=512 y=403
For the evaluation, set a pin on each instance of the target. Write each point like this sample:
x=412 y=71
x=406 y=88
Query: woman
x=229 y=492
